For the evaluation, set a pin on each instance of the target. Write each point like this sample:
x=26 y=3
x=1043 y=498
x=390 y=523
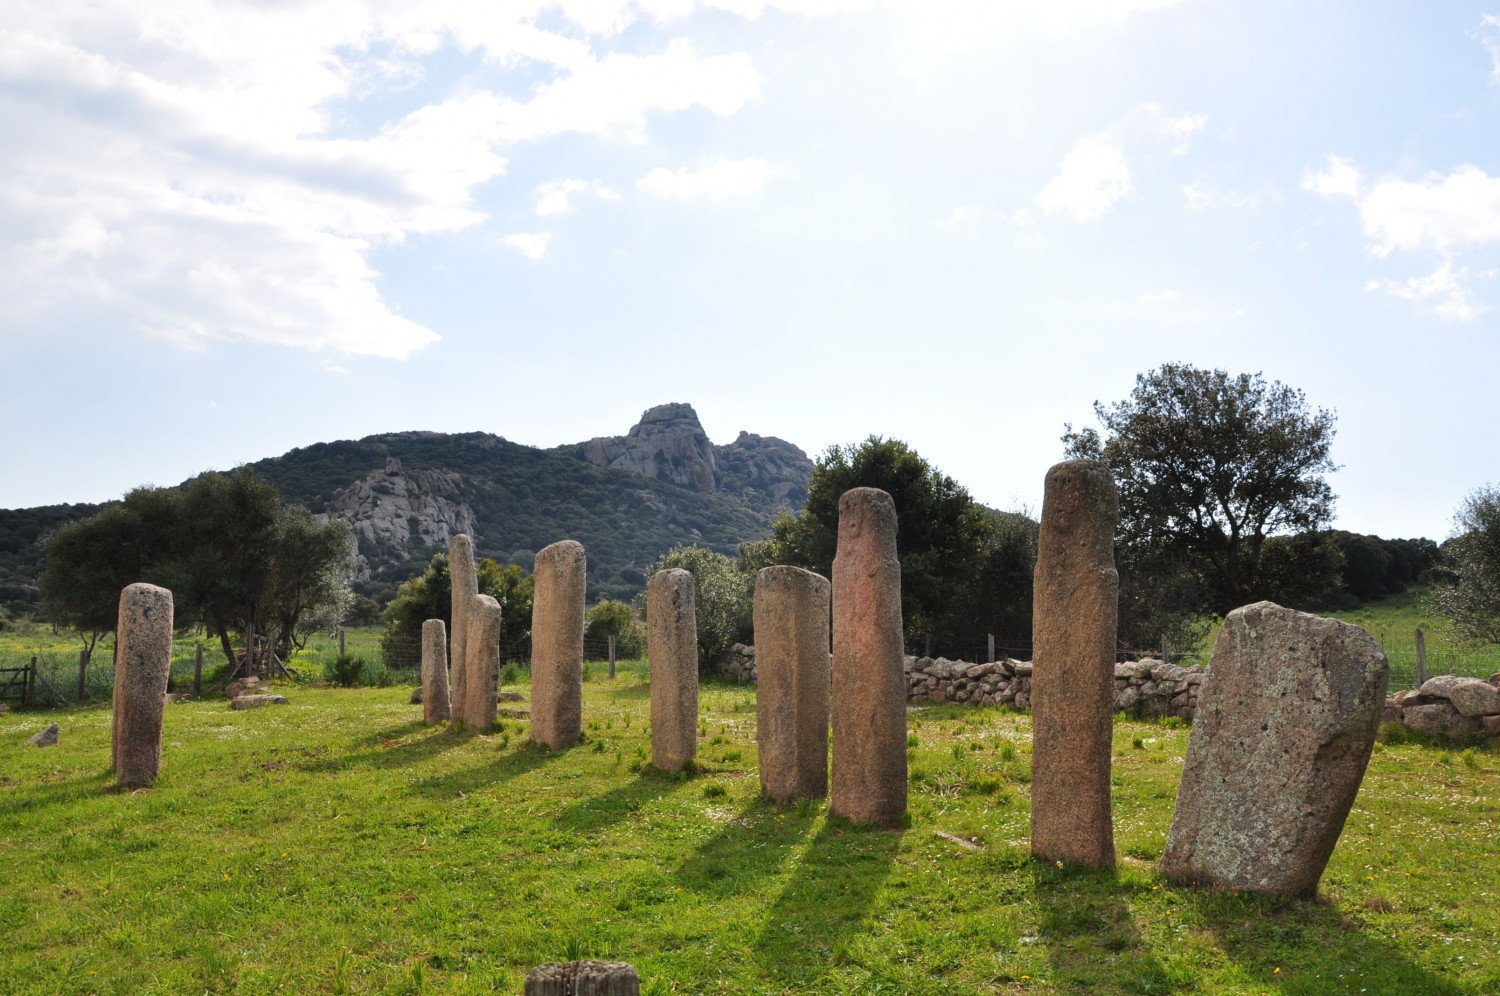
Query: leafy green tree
x=723 y=595
x=1210 y=467
x=1472 y=556
x=308 y=585
x=609 y=617
x=429 y=595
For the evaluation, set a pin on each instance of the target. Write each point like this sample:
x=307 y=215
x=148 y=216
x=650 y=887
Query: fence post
x=928 y=651
x=28 y=687
x=83 y=670
x=1166 y=650
x=611 y=655
x=341 y=641
x=198 y=671
x=991 y=658
x=1421 y=659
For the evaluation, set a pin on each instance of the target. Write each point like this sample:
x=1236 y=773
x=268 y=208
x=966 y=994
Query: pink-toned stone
x=464 y=580
x=143 y=662
x=869 y=687
x=476 y=713
x=557 y=645
x=1074 y=613
x=435 y=705
x=792 y=679
x=672 y=658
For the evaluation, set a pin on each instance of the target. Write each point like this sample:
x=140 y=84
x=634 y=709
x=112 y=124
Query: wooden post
x=28 y=688
x=583 y=978
x=1166 y=650
x=928 y=645
x=341 y=641
x=611 y=656
x=83 y=670
x=198 y=671
x=990 y=658
x=1421 y=659
x=249 y=649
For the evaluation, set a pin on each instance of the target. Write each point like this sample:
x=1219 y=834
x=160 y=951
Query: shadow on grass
x=1316 y=948
x=394 y=748
x=502 y=768
x=750 y=847
x=825 y=901
x=601 y=811
x=1089 y=933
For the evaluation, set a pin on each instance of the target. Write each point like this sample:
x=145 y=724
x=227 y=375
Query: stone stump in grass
x=464 y=580
x=869 y=685
x=1075 y=605
x=672 y=659
x=557 y=645
x=583 y=978
x=434 y=698
x=1283 y=733
x=482 y=664
x=791 y=693
x=143 y=661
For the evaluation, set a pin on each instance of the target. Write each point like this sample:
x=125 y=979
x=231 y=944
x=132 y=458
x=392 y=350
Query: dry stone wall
x=1148 y=688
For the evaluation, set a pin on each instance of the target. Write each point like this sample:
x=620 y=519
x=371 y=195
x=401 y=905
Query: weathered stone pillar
x=435 y=706
x=143 y=661
x=869 y=687
x=1280 y=741
x=557 y=645
x=465 y=585
x=1075 y=606
x=583 y=978
x=482 y=664
x=792 y=676
x=672 y=658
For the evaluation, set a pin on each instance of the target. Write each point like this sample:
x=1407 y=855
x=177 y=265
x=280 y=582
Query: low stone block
x=1473 y=697
x=46 y=738
x=1440 y=719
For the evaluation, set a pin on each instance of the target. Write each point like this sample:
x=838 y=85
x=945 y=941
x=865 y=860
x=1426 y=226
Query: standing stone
x=557 y=645
x=791 y=694
x=143 y=661
x=583 y=978
x=435 y=706
x=1283 y=733
x=869 y=685
x=465 y=585
x=476 y=711
x=1074 y=614
x=672 y=659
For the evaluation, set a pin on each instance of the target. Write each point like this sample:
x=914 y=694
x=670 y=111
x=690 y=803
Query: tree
x=429 y=595
x=1210 y=467
x=965 y=569
x=1472 y=556
x=609 y=617
x=308 y=584
x=723 y=594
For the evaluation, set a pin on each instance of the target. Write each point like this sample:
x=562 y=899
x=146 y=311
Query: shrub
x=346 y=671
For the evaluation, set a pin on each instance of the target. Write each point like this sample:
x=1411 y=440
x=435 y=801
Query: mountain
x=627 y=499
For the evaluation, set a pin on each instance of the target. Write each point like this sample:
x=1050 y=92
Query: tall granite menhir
x=143 y=661
x=672 y=658
x=464 y=583
x=435 y=705
x=869 y=687
x=1279 y=746
x=476 y=710
x=1075 y=606
x=792 y=675
x=557 y=645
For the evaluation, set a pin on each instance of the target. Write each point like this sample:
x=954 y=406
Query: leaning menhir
x=1278 y=749
x=435 y=706
x=557 y=645
x=672 y=657
x=143 y=661
x=1074 y=614
x=791 y=695
x=482 y=655
x=465 y=585
x=869 y=687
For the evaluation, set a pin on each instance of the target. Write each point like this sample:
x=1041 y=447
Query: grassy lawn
x=337 y=844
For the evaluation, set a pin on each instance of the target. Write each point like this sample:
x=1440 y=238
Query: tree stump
x=583 y=978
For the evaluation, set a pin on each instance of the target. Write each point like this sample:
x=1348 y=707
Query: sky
x=232 y=229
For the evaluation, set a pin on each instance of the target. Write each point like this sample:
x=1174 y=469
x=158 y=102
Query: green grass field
x=338 y=845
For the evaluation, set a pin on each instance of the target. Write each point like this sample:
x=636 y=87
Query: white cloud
x=1178 y=129
x=556 y=196
x=1090 y=180
x=1160 y=297
x=532 y=245
x=1489 y=37
x=724 y=179
x=1340 y=179
x=1445 y=292
x=1203 y=195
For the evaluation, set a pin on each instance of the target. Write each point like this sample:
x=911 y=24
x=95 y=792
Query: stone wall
x=1147 y=688
x=1449 y=706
